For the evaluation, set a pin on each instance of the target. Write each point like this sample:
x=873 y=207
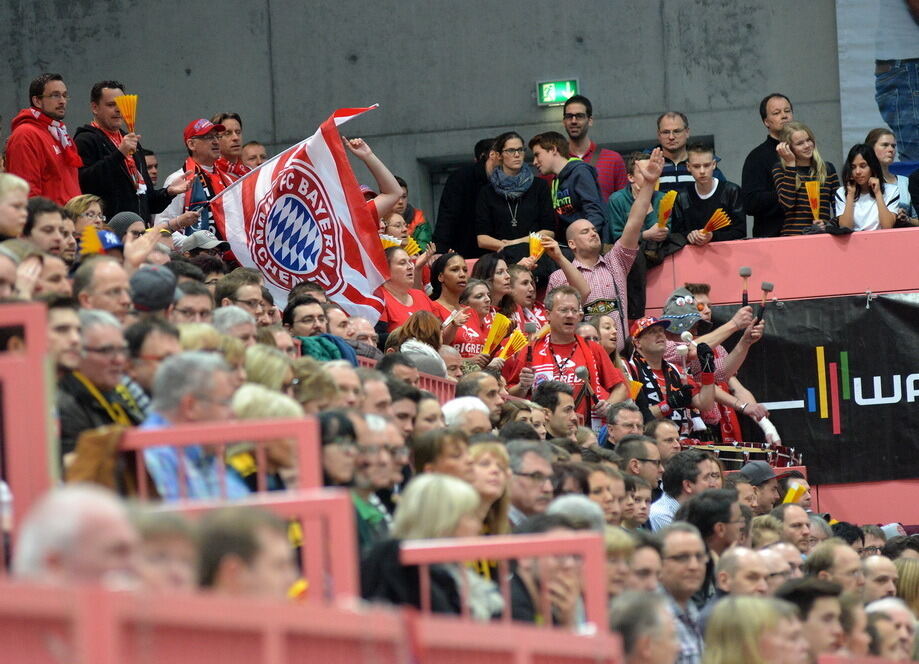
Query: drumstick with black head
x=745 y=274
x=767 y=287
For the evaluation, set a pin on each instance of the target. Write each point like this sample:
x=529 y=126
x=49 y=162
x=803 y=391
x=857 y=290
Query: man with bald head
x=606 y=273
x=777 y=568
x=880 y=578
x=740 y=571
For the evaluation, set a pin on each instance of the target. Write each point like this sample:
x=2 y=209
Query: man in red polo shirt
x=578 y=119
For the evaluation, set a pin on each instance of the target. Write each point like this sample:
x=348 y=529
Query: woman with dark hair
x=865 y=202
x=401 y=297
x=339 y=437
x=492 y=269
x=449 y=275
x=884 y=144
x=469 y=338
x=515 y=203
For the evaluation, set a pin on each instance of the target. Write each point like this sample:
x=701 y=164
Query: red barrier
x=848 y=659
x=800 y=267
x=588 y=547
x=326 y=516
x=25 y=377
x=443 y=389
x=43 y=625
x=303 y=432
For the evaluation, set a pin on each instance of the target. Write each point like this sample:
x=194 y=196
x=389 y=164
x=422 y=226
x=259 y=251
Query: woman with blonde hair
x=14 y=198
x=754 y=630
x=538 y=418
x=234 y=352
x=908 y=582
x=765 y=530
x=492 y=472
x=199 y=336
x=432 y=506
x=86 y=210
x=800 y=162
x=313 y=387
x=269 y=367
x=253 y=401
x=619 y=549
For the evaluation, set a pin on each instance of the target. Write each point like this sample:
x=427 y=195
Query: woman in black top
x=515 y=202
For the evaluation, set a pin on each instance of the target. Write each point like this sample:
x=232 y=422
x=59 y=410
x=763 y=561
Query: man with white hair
x=91 y=396
x=350 y=391
x=191 y=387
x=236 y=322
x=453 y=361
x=903 y=622
x=580 y=510
x=76 y=534
x=467 y=413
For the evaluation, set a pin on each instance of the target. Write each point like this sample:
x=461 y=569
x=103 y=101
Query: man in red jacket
x=39 y=149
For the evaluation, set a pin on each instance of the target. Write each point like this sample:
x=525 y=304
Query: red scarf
x=236 y=168
x=116 y=137
x=59 y=130
x=543 y=348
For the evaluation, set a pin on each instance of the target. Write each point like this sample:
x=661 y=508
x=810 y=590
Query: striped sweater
x=795 y=202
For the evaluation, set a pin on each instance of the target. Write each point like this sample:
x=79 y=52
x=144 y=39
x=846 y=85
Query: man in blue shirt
x=191 y=387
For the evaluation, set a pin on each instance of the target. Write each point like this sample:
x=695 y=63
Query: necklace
x=513 y=212
x=558 y=366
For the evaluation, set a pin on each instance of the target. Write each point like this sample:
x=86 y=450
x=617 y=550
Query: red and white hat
x=643 y=324
x=201 y=127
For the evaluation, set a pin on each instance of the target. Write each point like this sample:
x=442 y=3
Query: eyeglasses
x=513 y=150
x=870 y=551
x=575 y=116
x=94 y=215
x=537 y=477
x=656 y=462
x=312 y=320
x=397 y=451
x=202 y=314
x=568 y=311
x=107 y=351
x=671 y=132
x=56 y=96
x=251 y=304
x=683 y=558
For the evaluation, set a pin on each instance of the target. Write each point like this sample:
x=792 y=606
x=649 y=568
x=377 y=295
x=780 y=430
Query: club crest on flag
x=294 y=235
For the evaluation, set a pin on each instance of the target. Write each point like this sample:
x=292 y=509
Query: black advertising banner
x=840 y=377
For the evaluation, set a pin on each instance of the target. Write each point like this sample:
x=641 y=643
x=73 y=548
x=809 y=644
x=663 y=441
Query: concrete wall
x=445 y=73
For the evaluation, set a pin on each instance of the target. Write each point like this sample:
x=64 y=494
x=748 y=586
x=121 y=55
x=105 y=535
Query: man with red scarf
x=668 y=394
x=114 y=168
x=231 y=144
x=205 y=179
x=560 y=353
x=39 y=149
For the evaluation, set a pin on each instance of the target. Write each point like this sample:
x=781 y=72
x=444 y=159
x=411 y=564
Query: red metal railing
x=587 y=547
x=442 y=388
x=29 y=464
x=326 y=517
x=90 y=625
x=302 y=432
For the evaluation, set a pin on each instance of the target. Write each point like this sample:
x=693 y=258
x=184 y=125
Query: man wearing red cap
x=665 y=392
x=39 y=149
x=202 y=140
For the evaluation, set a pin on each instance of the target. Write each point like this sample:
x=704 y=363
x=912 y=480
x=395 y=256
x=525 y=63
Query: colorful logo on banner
x=835 y=385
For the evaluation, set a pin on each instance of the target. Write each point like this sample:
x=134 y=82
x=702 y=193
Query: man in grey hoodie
x=575 y=192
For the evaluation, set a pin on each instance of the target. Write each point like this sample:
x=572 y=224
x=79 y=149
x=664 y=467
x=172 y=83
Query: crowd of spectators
x=594 y=424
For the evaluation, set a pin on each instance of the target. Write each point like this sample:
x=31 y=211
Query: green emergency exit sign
x=555 y=93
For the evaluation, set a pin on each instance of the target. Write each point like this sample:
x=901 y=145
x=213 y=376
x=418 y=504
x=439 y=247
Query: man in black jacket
x=759 y=195
x=454 y=229
x=113 y=164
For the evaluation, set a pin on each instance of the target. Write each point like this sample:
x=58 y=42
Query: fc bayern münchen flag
x=301 y=217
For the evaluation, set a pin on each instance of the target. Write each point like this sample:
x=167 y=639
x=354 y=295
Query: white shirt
x=865 y=217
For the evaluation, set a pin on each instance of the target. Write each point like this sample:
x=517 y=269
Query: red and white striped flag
x=301 y=217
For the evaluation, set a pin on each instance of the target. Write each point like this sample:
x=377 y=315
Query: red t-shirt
x=470 y=338
x=559 y=361
x=395 y=313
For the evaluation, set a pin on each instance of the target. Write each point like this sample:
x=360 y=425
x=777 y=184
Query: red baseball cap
x=201 y=127
x=643 y=324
